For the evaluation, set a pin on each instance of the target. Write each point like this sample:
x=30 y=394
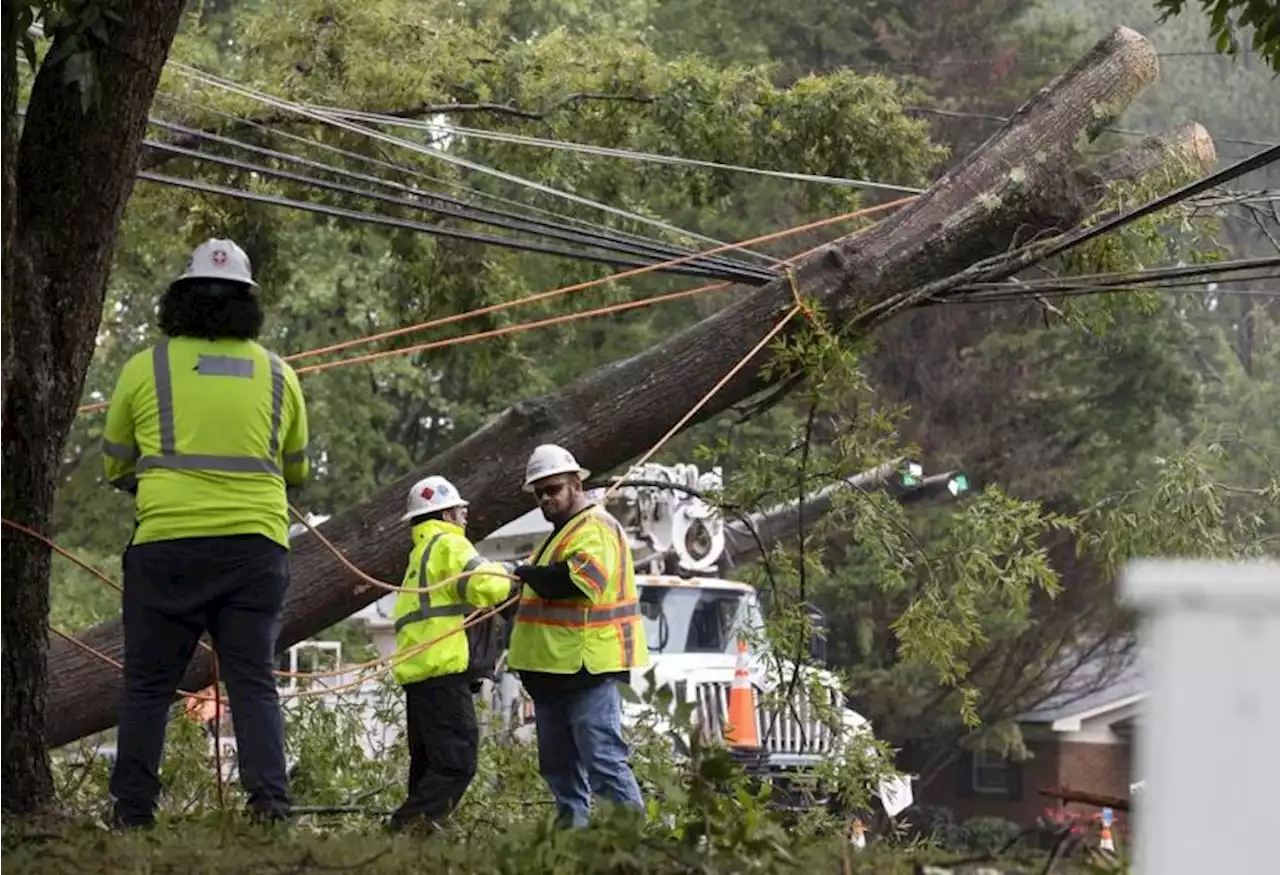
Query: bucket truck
x=694 y=614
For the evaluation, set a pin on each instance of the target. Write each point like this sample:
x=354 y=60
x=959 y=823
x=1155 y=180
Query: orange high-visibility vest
x=602 y=632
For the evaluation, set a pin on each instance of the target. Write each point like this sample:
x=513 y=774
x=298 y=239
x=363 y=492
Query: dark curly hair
x=211 y=309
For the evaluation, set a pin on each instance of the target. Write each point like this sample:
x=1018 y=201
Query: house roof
x=1095 y=688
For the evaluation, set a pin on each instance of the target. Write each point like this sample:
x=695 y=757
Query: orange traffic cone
x=741 y=728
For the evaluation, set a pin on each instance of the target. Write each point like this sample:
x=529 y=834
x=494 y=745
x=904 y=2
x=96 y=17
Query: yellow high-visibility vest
x=603 y=632
x=441 y=551
x=209 y=431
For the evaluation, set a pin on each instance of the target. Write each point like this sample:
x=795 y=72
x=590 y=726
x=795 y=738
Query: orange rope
x=614 y=277
x=382 y=584
x=492 y=308
x=101 y=575
x=93 y=651
x=399 y=656
x=566 y=317
x=299 y=675
x=511 y=329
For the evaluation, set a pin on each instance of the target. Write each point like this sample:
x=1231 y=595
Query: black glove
x=548 y=581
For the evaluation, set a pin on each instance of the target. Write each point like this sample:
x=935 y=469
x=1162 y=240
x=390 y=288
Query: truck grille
x=797 y=729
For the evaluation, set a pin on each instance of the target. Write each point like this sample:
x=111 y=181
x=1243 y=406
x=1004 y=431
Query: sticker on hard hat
x=219 y=257
x=428 y=493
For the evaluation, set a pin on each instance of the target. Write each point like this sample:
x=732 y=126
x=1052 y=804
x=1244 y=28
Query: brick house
x=1085 y=743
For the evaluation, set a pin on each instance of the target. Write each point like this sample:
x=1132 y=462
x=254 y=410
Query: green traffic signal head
x=913 y=473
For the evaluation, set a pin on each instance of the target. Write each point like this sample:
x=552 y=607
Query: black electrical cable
x=408 y=224
x=458 y=208
x=1171 y=272
x=405 y=169
x=1084 y=235
x=1156 y=279
x=1009 y=264
x=1085 y=291
x=1102 y=281
x=694 y=268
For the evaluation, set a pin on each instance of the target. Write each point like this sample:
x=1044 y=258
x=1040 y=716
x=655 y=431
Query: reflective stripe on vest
x=213 y=365
x=428 y=611
x=627 y=630
x=561 y=614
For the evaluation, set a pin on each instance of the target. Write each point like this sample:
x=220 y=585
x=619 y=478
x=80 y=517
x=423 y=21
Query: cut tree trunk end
x=617 y=412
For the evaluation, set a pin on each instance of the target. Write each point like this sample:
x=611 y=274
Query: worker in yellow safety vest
x=442 y=674
x=577 y=636
x=205 y=429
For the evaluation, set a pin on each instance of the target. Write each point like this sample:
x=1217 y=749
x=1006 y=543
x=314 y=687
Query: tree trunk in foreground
x=73 y=176
x=617 y=412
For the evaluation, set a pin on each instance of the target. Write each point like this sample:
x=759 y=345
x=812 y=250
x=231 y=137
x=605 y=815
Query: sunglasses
x=550 y=490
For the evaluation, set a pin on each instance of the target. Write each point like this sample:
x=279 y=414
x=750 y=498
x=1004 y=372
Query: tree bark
x=617 y=412
x=73 y=175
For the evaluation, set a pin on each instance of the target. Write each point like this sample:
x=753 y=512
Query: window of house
x=992 y=773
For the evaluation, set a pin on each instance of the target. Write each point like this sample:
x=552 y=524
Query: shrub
x=989 y=834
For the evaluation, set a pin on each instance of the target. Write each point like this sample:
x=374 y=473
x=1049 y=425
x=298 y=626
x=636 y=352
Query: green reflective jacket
x=209 y=432
x=441 y=551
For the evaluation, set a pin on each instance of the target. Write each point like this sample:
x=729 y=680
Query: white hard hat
x=219 y=260
x=548 y=460
x=432 y=495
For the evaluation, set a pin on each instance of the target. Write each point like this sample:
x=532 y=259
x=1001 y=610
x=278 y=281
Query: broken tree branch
x=1022 y=182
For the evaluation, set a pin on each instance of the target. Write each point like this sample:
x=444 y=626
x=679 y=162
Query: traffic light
x=912 y=474
x=913 y=486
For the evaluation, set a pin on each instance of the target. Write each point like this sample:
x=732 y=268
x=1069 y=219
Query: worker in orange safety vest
x=577 y=636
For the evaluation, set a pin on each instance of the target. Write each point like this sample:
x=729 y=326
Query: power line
x=1009 y=264
x=1156 y=279
x=289 y=106
x=397 y=167
x=409 y=224
x=1084 y=235
x=609 y=151
x=718 y=267
x=950 y=113
x=990 y=60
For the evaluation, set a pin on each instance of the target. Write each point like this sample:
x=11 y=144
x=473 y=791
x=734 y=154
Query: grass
x=220 y=845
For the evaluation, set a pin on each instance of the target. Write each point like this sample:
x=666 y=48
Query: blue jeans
x=581 y=750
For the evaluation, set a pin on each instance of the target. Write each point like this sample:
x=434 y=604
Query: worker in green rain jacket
x=443 y=673
x=205 y=428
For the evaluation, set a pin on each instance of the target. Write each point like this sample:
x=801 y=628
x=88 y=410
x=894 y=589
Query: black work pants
x=233 y=587
x=444 y=742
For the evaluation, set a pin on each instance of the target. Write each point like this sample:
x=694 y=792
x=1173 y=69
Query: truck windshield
x=689 y=620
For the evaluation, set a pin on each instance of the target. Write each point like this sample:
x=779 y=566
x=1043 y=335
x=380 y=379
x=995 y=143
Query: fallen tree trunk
x=1024 y=181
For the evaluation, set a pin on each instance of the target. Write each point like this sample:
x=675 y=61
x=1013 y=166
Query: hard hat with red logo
x=548 y=460
x=432 y=495
x=218 y=259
